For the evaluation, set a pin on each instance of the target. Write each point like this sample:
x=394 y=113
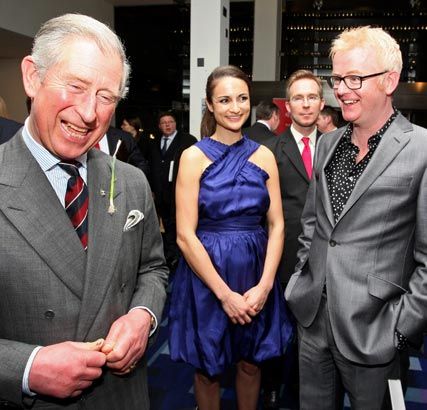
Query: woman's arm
x=257 y=295
x=191 y=167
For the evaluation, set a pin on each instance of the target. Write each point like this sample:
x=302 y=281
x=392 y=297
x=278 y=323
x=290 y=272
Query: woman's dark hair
x=208 y=125
x=136 y=123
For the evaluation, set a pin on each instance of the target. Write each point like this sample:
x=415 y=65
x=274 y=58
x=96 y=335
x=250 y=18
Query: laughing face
x=369 y=106
x=73 y=104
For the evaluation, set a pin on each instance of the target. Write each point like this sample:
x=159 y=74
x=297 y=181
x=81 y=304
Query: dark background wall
x=157 y=39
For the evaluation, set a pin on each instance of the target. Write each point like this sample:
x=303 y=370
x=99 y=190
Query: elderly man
x=82 y=272
x=359 y=289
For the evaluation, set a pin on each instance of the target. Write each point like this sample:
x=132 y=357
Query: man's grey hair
x=52 y=37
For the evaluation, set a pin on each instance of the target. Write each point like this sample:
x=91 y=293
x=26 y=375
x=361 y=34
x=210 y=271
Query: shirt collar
x=375 y=138
x=264 y=123
x=298 y=136
x=45 y=158
x=170 y=137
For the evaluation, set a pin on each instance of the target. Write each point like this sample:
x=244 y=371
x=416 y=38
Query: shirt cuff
x=153 y=318
x=25 y=386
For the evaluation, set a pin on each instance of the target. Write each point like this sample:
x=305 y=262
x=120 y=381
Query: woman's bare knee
x=248 y=368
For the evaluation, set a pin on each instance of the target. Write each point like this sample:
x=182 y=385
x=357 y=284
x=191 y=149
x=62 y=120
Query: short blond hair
x=303 y=75
x=387 y=50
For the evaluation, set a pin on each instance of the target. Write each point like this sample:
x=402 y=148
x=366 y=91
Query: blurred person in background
x=267 y=120
x=328 y=119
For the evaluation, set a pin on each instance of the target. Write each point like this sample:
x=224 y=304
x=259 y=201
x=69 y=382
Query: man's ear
x=30 y=76
x=391 y=81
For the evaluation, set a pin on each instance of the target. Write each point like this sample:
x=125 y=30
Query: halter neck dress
x=233 y=202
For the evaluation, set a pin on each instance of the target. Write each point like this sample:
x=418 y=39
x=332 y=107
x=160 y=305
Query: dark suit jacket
x=129 y=151
x=164 y=190
x=293 y=185
x=8 y=128
x=52 y=290
x=258 y=132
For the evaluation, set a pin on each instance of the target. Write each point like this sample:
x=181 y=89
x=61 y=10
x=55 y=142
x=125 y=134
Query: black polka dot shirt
x=342 y=172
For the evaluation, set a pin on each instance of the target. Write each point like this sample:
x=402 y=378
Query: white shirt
x=103 y=145
x=168 y=140
x=265 y=123
x=298 y=139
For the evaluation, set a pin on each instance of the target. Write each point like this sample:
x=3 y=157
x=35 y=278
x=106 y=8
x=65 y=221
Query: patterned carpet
x=171 y=384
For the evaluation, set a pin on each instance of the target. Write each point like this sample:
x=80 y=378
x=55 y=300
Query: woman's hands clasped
x=241 y=308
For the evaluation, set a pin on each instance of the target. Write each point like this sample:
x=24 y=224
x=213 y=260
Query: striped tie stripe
x=77 y=200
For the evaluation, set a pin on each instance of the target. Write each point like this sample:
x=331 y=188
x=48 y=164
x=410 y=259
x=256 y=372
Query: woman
x=133 y=126
x=227 y=307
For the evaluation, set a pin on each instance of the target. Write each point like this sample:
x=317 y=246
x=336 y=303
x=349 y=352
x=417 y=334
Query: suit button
x=49 y=314
x=332 y=243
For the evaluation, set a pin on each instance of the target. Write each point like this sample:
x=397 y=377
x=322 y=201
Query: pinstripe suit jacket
x=52 y=291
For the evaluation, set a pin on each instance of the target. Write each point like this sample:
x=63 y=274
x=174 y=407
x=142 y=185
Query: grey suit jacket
x=52 y=291
x=374 y=258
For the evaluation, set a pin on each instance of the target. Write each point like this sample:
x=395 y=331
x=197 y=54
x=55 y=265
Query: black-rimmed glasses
x=353 y=82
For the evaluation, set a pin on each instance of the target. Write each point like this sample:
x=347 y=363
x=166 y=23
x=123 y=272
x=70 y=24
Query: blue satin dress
x=233 y=202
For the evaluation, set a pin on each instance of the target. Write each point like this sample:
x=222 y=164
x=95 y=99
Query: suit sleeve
x=412 y=320
x=308 y=218
x=14 y=357
x=150 y=289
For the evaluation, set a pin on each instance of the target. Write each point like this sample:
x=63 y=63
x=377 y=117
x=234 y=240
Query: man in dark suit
x=128 y=151
x=8 y=129
x=82 y=269
x=294 y=152
x=164 y=153
x=328 y=120
x=267 y=121
x=359 y=291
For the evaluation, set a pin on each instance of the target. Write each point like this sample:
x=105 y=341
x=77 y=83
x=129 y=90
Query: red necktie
x=97 y=146
x=306 y=156
x=76 y=200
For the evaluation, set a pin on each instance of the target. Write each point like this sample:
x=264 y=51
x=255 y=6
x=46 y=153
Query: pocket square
x=134 y=218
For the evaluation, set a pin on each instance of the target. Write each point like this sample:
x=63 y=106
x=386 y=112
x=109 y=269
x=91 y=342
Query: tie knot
x=306 y=141
x=70 y=167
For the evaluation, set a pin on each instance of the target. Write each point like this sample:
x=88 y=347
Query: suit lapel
x=321 y=176
x=105 y=236
x=112 y=140
x=170 y=153
x=392 y=142
x=290 y=148
x=32 y=206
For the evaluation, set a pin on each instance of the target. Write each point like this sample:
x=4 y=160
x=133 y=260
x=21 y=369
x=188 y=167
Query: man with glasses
x=359 y=290
x=294 y=152
x=164 y=153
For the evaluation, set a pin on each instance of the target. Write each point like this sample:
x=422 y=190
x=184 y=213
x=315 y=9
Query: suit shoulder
x=189 y=138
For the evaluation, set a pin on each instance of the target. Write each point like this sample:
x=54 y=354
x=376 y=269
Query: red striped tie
x=77 y=200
